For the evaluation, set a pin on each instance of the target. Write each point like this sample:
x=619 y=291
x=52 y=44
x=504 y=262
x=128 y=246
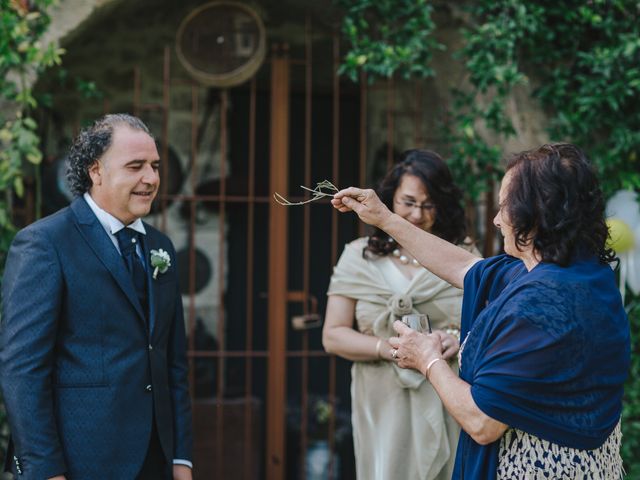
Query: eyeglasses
x=427 y=207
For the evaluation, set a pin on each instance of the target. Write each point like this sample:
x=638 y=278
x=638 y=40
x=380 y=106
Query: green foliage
x=631 y=410
x=585 y=57
x=490 y=54
x=88 y=89
x=22 y=57
x=388 y=37
x=589 y=71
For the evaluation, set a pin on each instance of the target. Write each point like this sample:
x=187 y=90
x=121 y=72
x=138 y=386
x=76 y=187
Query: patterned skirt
x=524 y=456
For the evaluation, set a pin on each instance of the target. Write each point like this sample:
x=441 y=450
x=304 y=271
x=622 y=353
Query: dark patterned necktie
x=127 y=241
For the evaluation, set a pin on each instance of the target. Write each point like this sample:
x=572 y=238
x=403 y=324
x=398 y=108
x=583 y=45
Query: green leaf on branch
x=30 y=123
x=388 y=38
x=34 y=157
x=18 y=186
x=22 y=56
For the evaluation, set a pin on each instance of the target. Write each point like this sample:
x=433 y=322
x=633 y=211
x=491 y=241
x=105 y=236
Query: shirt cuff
x=179 y=461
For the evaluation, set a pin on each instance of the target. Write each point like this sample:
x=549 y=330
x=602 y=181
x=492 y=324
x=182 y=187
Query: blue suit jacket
x=82 y=374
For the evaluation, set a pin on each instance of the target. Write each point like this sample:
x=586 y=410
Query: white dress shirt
x=112 y=225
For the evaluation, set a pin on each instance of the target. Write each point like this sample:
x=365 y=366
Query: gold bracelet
x=378 y=345
x=430 y=364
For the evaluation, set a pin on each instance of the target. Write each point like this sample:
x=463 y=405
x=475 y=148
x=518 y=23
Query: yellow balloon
x=620 y=235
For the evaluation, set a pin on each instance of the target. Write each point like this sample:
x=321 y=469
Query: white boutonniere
x=160 y=261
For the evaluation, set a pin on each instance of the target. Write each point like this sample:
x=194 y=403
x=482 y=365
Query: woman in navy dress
x=546 y=344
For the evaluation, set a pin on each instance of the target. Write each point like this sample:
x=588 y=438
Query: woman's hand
x=450 y=344
x=418 y=350
x=365 y=203
x=415 y=350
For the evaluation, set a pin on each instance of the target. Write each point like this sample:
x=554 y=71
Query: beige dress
x=400 y=427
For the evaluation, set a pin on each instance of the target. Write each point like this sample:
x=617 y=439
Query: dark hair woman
x=536 y=373
x=444 y=195
x=375 y=282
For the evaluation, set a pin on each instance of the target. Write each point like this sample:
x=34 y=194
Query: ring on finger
x=394 y=353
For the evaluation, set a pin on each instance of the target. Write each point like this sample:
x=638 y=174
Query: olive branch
x=323 y=189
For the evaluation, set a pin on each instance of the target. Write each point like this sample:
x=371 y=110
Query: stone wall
x=68 y=16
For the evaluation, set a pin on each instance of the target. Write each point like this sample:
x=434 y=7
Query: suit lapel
x=94 y=234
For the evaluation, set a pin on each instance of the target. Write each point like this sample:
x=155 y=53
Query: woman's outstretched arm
x=447 y=261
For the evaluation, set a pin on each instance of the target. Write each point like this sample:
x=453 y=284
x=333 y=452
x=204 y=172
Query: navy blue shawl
x=546 y=352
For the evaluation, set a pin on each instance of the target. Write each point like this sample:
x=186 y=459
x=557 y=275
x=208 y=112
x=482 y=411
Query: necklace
x=404 y=259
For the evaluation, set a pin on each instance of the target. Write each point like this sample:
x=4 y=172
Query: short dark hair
x=432 y=170
x=554 y=200
x=90 y=145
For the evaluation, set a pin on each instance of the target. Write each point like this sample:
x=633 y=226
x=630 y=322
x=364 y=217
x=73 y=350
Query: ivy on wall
x=388 y=37
x=490 y=55
x=22 y=58
x=581 y=60
x=588 y=67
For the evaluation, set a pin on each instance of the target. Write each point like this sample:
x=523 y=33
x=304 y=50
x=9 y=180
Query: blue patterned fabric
x=545 y=351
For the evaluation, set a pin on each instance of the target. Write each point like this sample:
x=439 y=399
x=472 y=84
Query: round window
x=222 y=43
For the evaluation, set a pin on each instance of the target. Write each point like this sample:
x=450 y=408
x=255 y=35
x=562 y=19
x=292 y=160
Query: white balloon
x=633 y=264
x=624 y=206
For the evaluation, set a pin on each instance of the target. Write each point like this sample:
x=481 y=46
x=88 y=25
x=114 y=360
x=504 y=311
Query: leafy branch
x=22 y=58
x=323 y=189
x=490 y=55
x=387 y=38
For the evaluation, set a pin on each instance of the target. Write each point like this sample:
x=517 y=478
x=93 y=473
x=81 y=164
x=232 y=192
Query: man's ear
x=95 y=172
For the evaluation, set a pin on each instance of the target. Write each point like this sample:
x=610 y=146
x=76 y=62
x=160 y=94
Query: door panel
x=264 y=393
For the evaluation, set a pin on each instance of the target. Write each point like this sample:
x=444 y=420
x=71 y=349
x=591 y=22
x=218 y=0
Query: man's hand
x=181 y=472
x=58 y=477
x=365 y=203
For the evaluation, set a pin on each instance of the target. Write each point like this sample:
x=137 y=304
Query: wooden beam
x=277 y=309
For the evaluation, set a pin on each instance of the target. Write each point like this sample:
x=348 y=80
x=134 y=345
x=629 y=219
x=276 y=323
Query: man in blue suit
x=93 y=367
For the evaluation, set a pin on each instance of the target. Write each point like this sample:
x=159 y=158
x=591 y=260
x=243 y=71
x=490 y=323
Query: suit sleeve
x=179 y=383
x=31 y=299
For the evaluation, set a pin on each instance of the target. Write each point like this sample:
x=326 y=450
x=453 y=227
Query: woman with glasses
x=400 y=427
x=546 y=346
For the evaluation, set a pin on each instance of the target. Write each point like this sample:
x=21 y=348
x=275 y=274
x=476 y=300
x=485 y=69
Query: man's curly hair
x=90 y=145
x=554 y=200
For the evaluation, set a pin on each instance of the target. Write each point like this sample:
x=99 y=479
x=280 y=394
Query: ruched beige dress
x=400 y=427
